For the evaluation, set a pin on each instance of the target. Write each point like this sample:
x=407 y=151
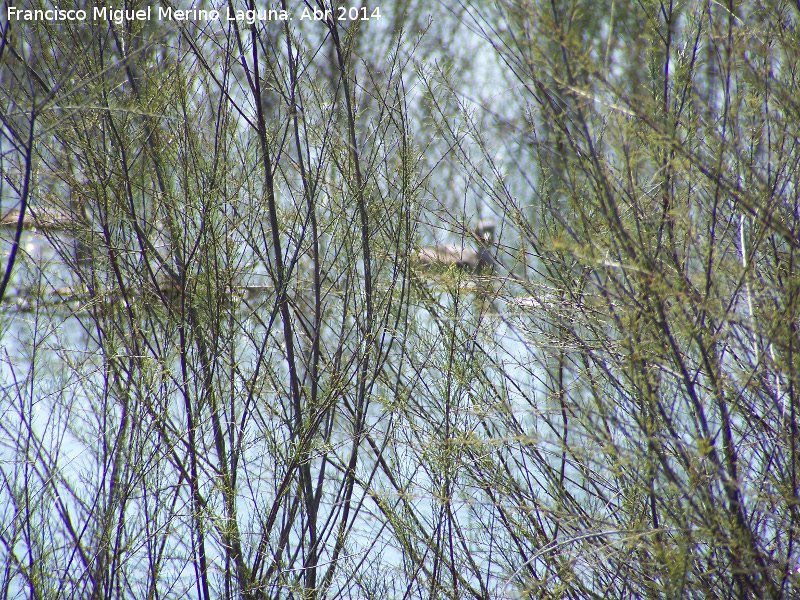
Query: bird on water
x=475 y=260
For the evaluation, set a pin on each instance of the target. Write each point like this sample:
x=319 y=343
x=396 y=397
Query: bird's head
x=485 y=229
